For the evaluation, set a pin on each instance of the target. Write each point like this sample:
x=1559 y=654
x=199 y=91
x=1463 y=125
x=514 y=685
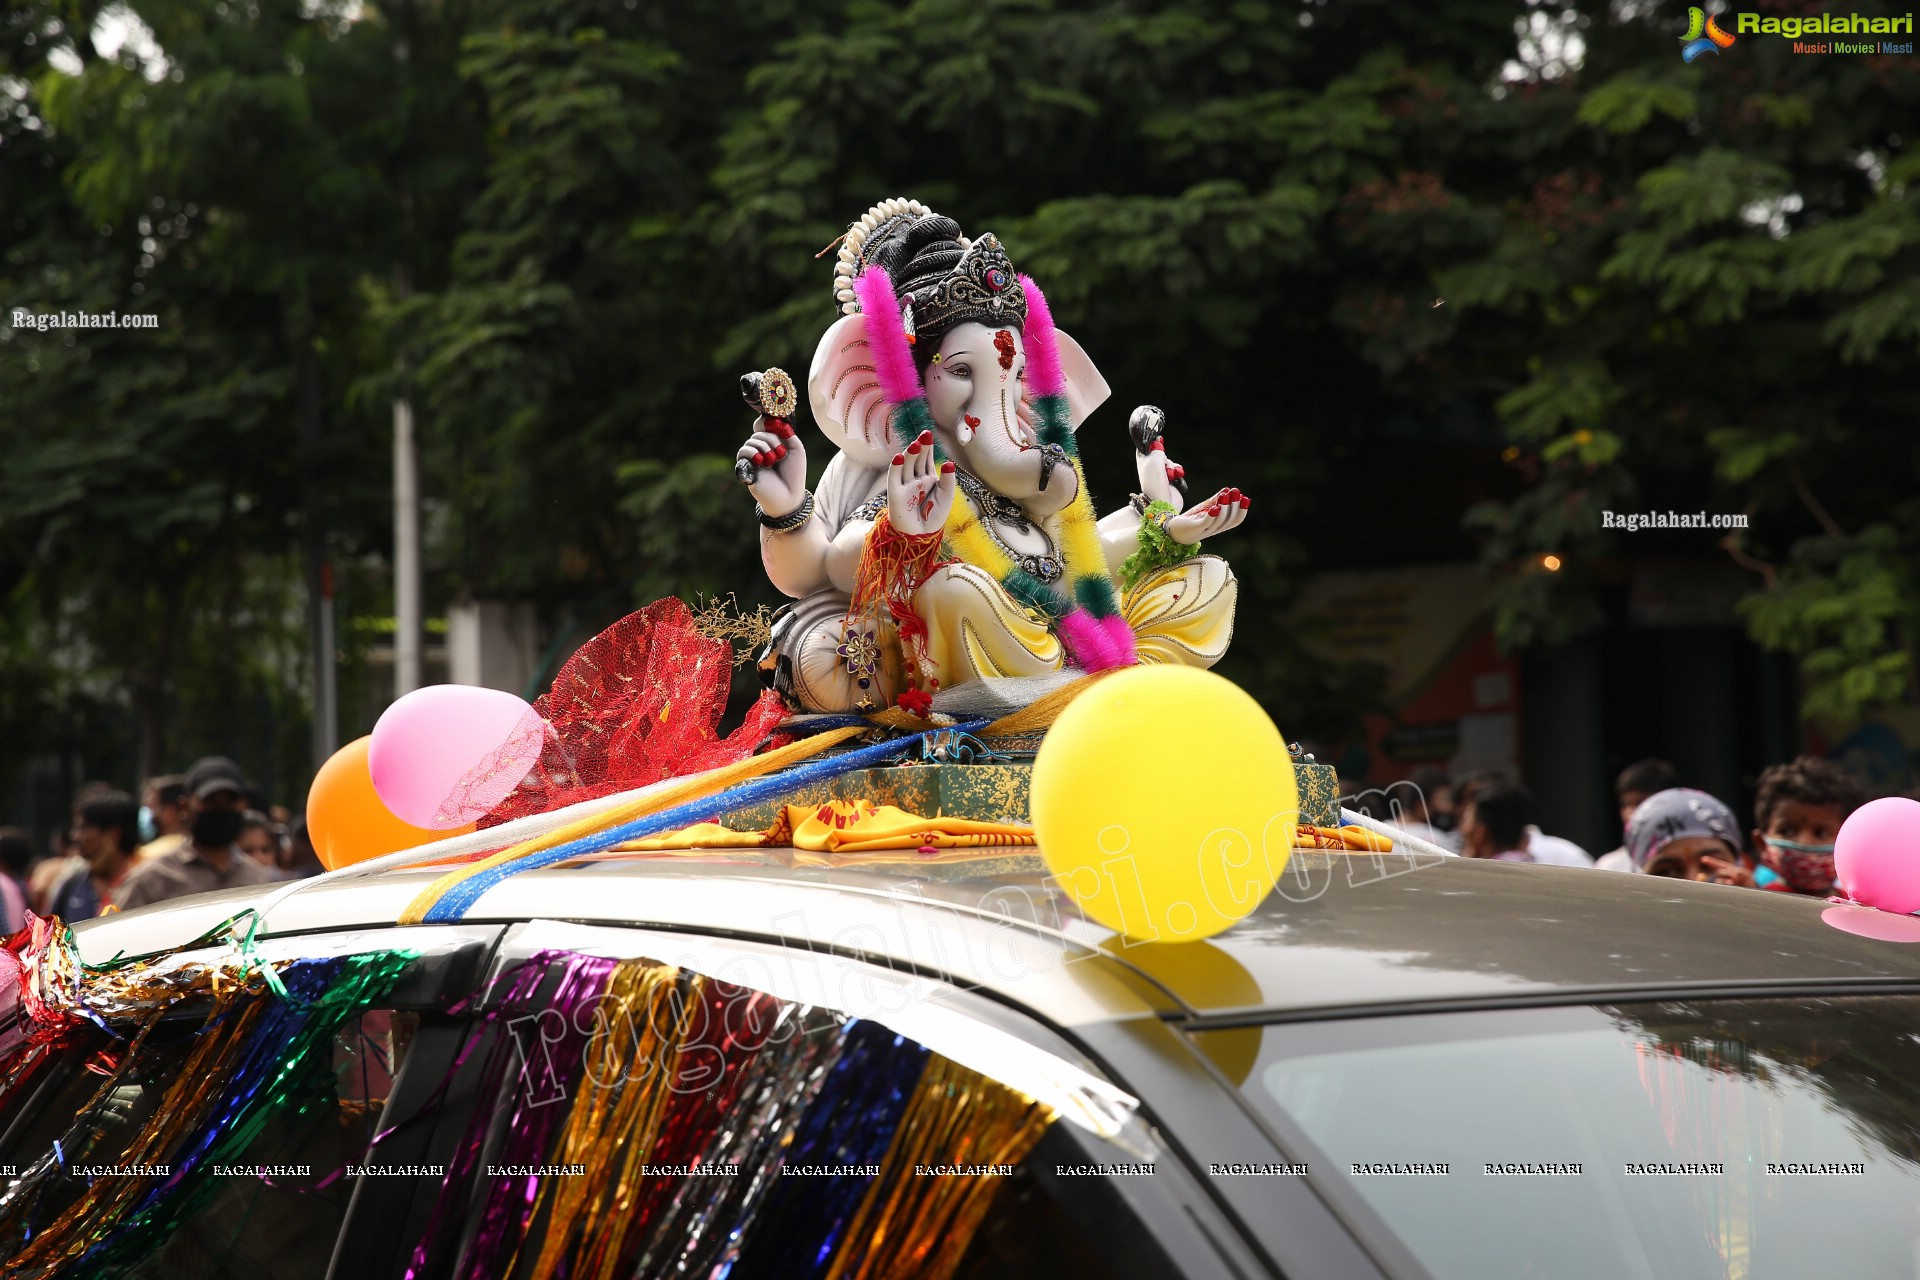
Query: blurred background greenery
x=1435 y=283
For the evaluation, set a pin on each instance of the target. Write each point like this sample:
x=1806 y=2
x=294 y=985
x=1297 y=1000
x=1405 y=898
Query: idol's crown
x=940 y=277
x=982 y=287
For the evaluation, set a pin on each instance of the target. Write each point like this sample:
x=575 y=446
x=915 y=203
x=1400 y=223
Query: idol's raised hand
x=919 y=490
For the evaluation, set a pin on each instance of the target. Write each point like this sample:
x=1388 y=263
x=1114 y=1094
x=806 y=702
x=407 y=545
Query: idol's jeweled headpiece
x=941 y=278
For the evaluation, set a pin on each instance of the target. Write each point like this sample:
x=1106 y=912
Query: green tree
x=1311 y=232
x=1703 y=293
x=236 y=180
x=1173 y=174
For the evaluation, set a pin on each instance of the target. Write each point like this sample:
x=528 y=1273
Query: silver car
x=1391 y=1069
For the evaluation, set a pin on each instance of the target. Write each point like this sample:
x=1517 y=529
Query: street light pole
x=319 y=572
x=406 y=551
x=407 y=619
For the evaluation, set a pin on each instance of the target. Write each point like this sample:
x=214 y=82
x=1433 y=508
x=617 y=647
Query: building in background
x=1671 y=673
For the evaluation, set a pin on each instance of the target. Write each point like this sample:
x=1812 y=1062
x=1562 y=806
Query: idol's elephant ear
x=1086 y=389
x=845 y=394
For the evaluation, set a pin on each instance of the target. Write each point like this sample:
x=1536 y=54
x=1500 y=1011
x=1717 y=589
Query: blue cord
x=458 y=900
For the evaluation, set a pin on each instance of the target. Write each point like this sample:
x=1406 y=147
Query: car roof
x=1341 y=934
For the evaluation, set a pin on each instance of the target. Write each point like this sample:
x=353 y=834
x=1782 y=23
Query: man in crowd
x=1497 y=823
x=206 y=859
x=1426 y=807
x=108 y=832
x=65 y=860
x=1636 y=782
x=1541 y=847
x=166 y=799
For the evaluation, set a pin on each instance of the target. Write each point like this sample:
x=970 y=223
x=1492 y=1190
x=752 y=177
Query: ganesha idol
x=952 y=539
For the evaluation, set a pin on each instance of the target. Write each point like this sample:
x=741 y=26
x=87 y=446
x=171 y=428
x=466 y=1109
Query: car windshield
x=1733 y=1139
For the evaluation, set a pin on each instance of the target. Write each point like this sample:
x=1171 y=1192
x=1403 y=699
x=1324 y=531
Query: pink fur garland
x=1097 y=643
x=1086 y=641
x=892 y=354
x=1044 y=375
x=1120 y=641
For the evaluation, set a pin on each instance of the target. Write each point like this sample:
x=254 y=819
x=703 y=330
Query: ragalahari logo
x=1703 y=35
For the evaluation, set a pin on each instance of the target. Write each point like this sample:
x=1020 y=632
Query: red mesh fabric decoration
x=496 y=776
x=639 y=702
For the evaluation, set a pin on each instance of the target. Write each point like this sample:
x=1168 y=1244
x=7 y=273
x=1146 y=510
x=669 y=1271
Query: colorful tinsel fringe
x=261 y=1054
x=705 y=1128
x=692 y=1103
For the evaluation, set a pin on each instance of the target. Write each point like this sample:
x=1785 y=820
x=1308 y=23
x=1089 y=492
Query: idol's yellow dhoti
x=974 y=628
x=1183 y=613
x=1179 y=614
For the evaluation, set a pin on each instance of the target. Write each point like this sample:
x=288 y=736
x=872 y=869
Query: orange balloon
x=346 y=818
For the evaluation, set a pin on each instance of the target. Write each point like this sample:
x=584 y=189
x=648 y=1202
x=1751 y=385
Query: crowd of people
x=1670 y=829
x=208 y=828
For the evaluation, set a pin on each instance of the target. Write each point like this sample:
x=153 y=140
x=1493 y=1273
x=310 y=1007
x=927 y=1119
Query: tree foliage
x=1713 y=287
x=565 y=229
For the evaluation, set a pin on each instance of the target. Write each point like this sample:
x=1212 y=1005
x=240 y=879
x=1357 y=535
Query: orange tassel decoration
x=892 y=567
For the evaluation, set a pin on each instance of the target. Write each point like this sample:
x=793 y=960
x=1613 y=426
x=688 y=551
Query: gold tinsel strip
x=723 y=618
x=107 y=1200
x=615 y=1118
x=919 y=1226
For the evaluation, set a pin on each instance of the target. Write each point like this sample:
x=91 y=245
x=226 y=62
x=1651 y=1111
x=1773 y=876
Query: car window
x=1715 y=1140
x=1051 y=1220
x=82 y=1162
x=277 y=1209
x=631 y=1118
x=577 y=1114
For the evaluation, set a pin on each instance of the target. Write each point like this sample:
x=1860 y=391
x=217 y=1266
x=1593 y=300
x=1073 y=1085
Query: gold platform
x=986 y=792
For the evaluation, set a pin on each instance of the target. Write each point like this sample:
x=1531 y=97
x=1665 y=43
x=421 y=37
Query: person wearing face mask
x=207 y=859
x=1797 y=815
x=166 y=800
x=1425 y=807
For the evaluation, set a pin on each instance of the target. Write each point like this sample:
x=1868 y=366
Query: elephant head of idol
x=961 y=303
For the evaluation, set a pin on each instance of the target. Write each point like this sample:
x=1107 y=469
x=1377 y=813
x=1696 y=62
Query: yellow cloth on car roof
x=844 y=826
x=860 y=826
x=1351 y=837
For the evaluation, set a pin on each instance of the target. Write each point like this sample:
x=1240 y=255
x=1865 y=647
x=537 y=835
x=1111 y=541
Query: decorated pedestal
x=985 y=792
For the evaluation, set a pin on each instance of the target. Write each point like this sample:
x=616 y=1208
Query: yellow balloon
x=1164 y=803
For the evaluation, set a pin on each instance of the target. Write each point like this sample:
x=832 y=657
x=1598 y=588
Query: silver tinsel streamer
x=709 y=1219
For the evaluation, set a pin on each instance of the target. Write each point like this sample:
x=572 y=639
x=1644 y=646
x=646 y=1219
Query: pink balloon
x=1876 y=856
x=446 y=755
